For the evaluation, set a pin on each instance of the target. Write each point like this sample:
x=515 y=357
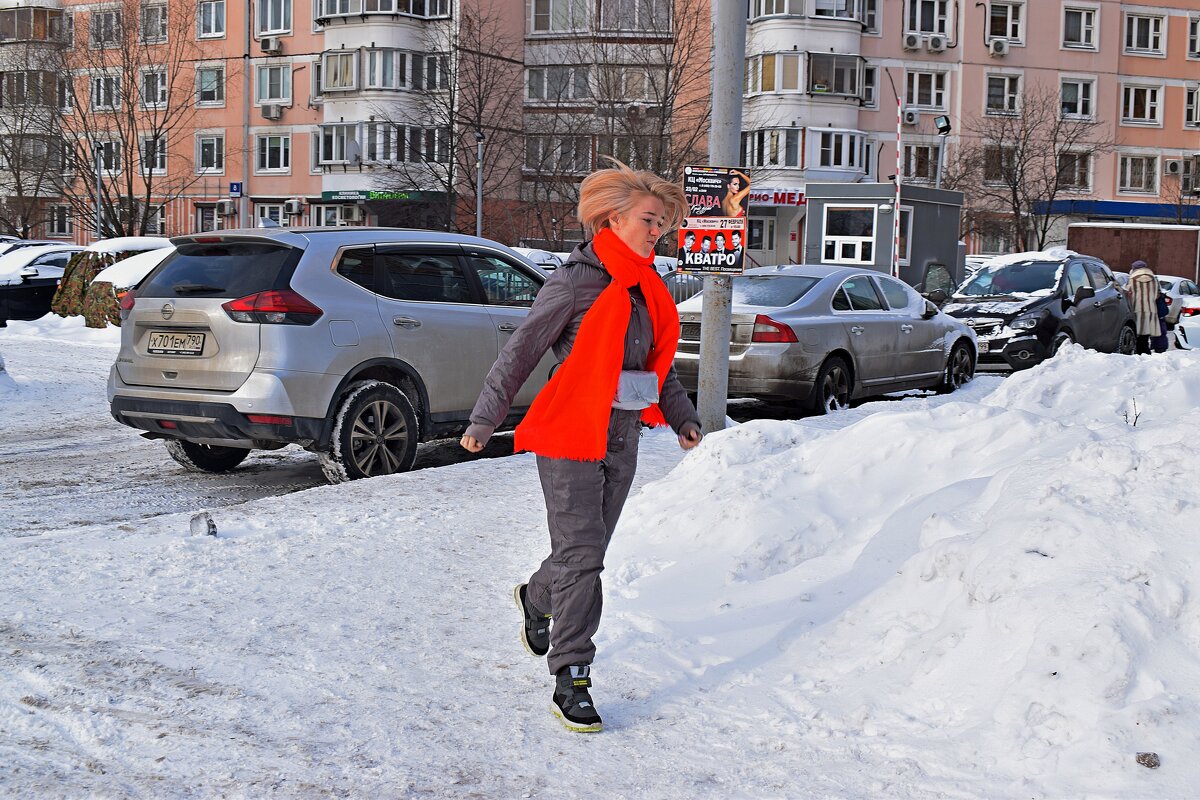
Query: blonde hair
x=616 y=190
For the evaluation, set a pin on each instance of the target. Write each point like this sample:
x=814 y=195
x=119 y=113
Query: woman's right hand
x=470 y=443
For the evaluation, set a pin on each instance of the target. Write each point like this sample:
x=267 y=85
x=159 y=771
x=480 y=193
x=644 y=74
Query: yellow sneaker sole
x=575 y=726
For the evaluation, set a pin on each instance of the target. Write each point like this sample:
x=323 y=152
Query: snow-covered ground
x=990 y=594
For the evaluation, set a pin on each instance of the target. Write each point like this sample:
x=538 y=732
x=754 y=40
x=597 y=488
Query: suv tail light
x=768 y=330
x=126 y=299
x=284 y=307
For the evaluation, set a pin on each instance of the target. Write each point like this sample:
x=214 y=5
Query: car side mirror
x=1083 y=293
x=30 y=272
x=937 y=296
x=931 y=310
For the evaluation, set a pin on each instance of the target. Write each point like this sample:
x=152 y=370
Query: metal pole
x=479 y=184
x=937 y=181
x=724 y=146
x=247 y=101
x=99 y=189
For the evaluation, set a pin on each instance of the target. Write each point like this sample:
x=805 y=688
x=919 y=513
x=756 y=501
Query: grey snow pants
x=583 y=503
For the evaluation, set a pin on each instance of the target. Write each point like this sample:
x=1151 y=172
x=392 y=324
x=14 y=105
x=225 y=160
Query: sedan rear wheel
x=831 y=391
x=375 y=434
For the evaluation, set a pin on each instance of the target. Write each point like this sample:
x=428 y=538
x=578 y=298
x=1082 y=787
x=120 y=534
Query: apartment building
x=828 y=81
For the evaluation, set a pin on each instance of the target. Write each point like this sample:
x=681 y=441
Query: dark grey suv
x=354 y=343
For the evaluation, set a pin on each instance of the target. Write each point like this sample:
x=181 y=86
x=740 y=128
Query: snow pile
x=129 y=271
x=65 y=329
x=1005 y=590
x=123 y=244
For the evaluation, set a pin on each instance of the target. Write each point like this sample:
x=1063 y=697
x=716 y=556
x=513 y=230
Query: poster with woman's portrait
x=711 y=237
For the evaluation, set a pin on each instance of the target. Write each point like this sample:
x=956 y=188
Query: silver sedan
x=824 y=336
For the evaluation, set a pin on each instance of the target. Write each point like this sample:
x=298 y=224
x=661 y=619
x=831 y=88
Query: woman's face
x=735 y=184
x=642 y=226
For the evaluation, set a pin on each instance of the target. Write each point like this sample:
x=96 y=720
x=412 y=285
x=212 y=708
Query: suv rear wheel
x=375 y=433
x=205 y=457
x=1127 y=344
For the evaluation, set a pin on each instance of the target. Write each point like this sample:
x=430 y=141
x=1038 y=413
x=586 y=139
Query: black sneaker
x=572 y=703
x=535 y=632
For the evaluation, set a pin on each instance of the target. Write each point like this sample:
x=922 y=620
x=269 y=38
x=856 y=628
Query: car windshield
x=1026 y=277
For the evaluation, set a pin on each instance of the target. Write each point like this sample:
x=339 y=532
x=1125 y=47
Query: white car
x=1187 y=328
x=541 y=258
x=42 y=261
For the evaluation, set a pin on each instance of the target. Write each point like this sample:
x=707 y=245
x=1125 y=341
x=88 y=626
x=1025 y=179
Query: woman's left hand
x=690 y=437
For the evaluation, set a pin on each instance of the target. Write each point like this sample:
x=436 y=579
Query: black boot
x=572 y=703
x=535 y=632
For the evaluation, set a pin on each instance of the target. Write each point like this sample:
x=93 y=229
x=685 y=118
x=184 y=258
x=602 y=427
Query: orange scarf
x=569 y=417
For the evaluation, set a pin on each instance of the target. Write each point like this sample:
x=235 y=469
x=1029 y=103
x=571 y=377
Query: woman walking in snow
x=1143 y=291
x=614 y=328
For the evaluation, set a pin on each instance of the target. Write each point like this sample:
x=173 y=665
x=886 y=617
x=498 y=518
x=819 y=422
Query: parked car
x=354 y=343
x=1025 y=306
x=823 y=336
x=544 y=259
x=18 y=244
x=79 y=294
x=1122 y=278
x=1176 y=289
x=130 y=271
x=683 y=285
x=28 y=279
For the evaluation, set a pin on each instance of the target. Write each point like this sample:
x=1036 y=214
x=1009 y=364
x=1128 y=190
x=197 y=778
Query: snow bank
x=123 y=244
x=128 y=271
x=66 y=329
x=1010 y=584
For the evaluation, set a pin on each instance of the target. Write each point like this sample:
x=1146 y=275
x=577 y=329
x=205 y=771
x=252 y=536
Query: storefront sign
x=777 y=197
x=712 y=235
x=354 y=195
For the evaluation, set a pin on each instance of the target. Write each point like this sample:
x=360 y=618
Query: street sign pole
x=724 y=145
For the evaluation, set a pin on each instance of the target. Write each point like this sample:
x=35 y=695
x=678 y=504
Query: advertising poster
x=712 y=236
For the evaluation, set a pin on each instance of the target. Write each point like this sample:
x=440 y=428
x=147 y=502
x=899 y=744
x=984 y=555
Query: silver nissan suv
x=354 y=343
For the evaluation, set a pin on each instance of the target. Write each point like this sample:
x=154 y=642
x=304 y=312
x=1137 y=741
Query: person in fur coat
x=1143 y=291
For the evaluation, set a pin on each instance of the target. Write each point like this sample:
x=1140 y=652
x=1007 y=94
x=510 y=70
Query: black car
x=30 y=297
x=1024 y=307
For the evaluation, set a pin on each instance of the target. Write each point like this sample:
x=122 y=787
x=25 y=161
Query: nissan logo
x=168 y=310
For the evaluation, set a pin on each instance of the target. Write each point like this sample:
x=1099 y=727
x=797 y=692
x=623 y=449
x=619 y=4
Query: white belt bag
x=636 y=389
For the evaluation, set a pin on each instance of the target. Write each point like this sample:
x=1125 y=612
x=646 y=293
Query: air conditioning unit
x=272 y=111
x=353 y=213
x=1173 y=166
x=226 y=208
x=936 y=43
x=911 y=116
x=271 y=45
x=293 y=206
x=912 y=41
x=998 y=47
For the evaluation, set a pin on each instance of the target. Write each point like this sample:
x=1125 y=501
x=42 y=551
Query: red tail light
x=768 y=330
x=125 y=299
x=269 y=419
x=1189 y=311
x=1168 y=299
x=283 y=307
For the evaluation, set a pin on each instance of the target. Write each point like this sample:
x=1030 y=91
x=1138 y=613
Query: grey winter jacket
x=554 y=321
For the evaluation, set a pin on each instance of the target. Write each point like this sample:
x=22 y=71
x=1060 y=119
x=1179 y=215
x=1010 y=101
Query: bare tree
x=467 y=84
x=131 y=94
x=1182 y=192
x=1014 y=165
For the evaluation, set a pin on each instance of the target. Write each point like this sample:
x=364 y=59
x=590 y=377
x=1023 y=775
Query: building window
x=154 y=23
x=1139 y=105
x=66 y=95
x=849 y=235
x=996 y=243
x=842 y=150
x=271 y=211
x=1005 y=22
x=771 y=148
x=927 y=16
x=110 y=156
x=1003 y=94
x=1143 y=34
x=154 y=88
x=639 y=152
x=558 y=155
x=870 y=16
x=558 y=83
x=430 y=73
x=921 y=162
x=620 y=83
x=926 y=90
x=211 y=18
x=834 y=74
x=635 y=15
x=384 y=141
x=386 y=69
x=274 y=16
x=210 y=86
x=559 y=15
x=207 y=218
x=275 y=84
x=1191 y=110
x=153 y=153
x=760 y=233
x=59 y=222
x=1193 y=49
x=1077 y=98
x=998 y=163
x=273 y=154
x=1075 y=171
x=770 y=8
x=339 y=71
x=870 y=87
x=105 y=29
x=1138 y=174
x=339 y=144
x=1187 y=178
x=106 y=92
x=838 y=9
x=1079 y=27
x=210 y=154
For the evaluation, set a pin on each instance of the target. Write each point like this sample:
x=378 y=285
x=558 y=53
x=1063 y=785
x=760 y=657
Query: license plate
x=983 y=346
x=173 y=343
